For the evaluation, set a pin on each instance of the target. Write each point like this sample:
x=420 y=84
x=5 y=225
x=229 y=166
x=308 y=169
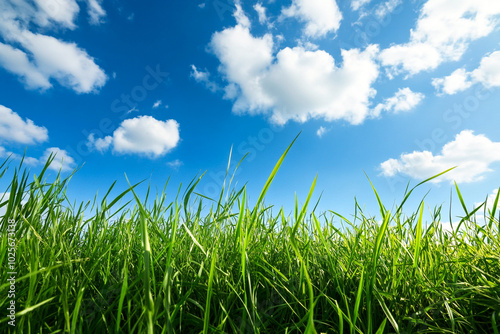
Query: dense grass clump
x=198 y=265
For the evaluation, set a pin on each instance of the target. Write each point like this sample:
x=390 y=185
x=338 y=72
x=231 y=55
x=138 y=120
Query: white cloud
x=456 y=82
x=156 y=104
x=490 y=200
x=240 y=16
x=295 y=84
x=488 y=72
x=243 y=58
x=62 y=160
x=11 y=155
x=69 y=65
x=17 y=62
x=61 y=12
x=38 y=59
x=175 y=164
x=303 y=84
x=204 y=78
x=320 y=16
x=143 y=135
x=95 y=11
x=412 y=58
x=443 y=32
x=261 y=11
x=14 y=129
x=357 y=4
x=472 y=154
x=4 y=197
x=321 y=131
x=99 y=144
x=404 y=100
x=387 y=8
x=201 y=5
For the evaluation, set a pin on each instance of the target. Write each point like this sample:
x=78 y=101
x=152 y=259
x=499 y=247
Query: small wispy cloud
x=132 y=110
x=322 y=131
x=156 y=104
x=175 y=164
x=204 y=78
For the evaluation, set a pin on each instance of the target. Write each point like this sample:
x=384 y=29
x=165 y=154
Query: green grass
x=199 y=265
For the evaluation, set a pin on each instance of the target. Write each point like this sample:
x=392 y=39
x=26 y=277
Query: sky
x=393 y=90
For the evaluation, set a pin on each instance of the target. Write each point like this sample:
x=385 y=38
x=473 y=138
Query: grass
x=198 y=265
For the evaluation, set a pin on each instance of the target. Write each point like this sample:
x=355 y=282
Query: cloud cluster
x=143 y=135
x=294 y=83
x=301 y=82
x=487 y=74
x=14 y=129
x=471 y=154
x=38 y=59
x=442 y=33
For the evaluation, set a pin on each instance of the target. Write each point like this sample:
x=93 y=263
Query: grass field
x=196 y=265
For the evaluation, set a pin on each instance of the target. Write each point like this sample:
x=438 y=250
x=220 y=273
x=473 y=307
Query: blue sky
x=401 y=90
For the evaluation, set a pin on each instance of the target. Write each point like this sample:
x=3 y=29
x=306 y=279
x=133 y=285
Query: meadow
x=198 y=265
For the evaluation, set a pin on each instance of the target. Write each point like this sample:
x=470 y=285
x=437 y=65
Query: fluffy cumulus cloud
x=38 y=59
x=143 y=135
x=443 y=32
x=320 y=16
x=487 y=74
x=13 y=128
x=456 y=82
x=294 y=83
x=404 y=100
x=471 y=154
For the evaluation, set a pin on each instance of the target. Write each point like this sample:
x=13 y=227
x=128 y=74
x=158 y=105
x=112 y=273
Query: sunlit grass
x=198 y=265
